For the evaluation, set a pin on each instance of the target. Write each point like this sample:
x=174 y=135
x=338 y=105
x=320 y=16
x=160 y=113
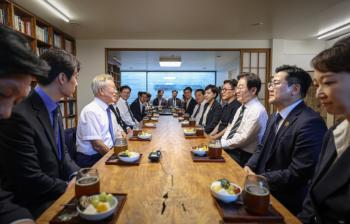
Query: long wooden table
x=176 y=190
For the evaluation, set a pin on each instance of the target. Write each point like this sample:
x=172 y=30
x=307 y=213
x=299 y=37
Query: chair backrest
x=70 y=139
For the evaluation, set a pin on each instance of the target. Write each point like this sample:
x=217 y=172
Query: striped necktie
x=237 y=124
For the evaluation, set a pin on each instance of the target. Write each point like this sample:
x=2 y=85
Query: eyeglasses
x=224 y=90
x=272 y=85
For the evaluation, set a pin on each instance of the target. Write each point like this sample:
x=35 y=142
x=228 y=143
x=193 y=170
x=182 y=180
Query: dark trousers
x=87 y=160
x=240 y=156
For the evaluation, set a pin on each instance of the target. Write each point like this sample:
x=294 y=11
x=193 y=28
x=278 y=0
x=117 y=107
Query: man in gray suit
x=174 y=101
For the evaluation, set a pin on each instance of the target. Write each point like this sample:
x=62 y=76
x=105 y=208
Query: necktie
x=110 y=125
x=131 y=115
x=237 y=124
x=56 y=129
x=277 y=118
x=197 y=111
x=116 y=112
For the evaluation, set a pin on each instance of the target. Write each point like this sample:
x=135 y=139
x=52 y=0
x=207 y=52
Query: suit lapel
x=44 y=119
x=286 y=125
x=335 y=174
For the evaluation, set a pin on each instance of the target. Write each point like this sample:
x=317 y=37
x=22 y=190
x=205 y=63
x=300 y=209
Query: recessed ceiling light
x=257 y=24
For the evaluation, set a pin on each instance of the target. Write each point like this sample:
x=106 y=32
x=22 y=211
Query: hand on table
x=248 y=170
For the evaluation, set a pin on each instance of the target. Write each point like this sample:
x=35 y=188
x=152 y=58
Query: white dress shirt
x=199 y=114
x=251 y=129
x=93 y=124
x=124 y=113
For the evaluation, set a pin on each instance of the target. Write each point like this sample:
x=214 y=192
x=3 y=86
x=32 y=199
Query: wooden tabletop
x=176 y=190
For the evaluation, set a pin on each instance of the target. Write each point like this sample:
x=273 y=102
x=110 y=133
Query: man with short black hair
x=17 y=66
x=189 y=103
x=292 y=141
x=138 y=106
x=247 y=128
x=173 y=101
x=32 y=144
x=124 y=108
x=160 y=100
x=228 y=93
x=198 y=109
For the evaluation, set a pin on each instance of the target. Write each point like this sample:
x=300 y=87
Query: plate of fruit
x=225 y=191
x=97 y=207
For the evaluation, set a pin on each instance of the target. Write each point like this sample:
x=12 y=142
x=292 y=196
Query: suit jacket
x=29 y=155
x=288 y=160
x=189 y=109
x=213 y=116
x=170 y=102
x=136 y=110
x=164 y=102
x=10 y=212
x=328 y=200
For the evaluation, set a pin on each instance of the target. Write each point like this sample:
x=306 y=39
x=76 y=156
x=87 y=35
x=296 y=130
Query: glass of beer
x=87 y=182
x=181 y=112
x=136 y=130
x=186 y=116
x=256 y=194
x=214 y=149
x=192 y=122
x=200 y=130
x=120 y=145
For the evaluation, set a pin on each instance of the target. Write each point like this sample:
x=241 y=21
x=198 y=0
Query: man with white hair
x=97 y=127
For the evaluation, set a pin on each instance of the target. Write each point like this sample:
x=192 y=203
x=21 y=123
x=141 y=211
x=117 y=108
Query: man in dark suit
x=17 y=66
x=160 y=101
x=292 y=141
x=138 y=108
x=174 y=101
x=189 y=103
x=32 y=145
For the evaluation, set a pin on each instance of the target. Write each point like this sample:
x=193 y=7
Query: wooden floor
x=176 y=190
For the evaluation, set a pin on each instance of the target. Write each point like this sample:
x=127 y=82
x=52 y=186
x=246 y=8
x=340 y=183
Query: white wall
x=91 y=54
x=295 y=52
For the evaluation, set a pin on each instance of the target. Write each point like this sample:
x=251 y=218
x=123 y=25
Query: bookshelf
x=41 y=36
x=113 y=68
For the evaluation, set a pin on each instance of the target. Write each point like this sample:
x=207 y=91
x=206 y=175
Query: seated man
x=189 y=103
x=229 y=109
x=173 y=101
x=97 y=128
x=160 y=101
x=124 y=108
x=138 y=106
x=17 y=65
x=292 y=140
x=247 y=128
x=198 y=109
x=32 y=145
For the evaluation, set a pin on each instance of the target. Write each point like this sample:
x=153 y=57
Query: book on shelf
x=42 y=34
x=68 y=46
x=71 y=122
x=57 y=41
x=22 y=25
x=71 y=107
x=40 y=50
x=3 y=16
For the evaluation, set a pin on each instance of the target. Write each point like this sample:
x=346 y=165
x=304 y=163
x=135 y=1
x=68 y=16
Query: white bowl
x=185 y=122
x=146 y=136
x=99 y=216
x=189 y=133
x=199 y=152
x=150 y=125
x=222 y=195
x=130 y=159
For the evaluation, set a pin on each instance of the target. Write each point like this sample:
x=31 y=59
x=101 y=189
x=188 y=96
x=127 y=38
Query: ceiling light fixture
x=338 y=31
x=172 y=61
x=55 y=10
